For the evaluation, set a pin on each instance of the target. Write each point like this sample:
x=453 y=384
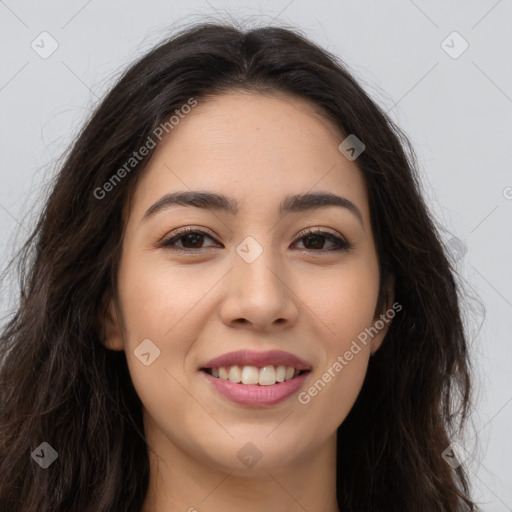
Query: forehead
x=255 y=148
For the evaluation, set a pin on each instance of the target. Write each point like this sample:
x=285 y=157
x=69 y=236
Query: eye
x=317 y=238
x=192 y=240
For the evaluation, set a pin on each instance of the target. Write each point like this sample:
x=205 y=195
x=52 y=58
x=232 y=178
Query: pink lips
x=259 y=359
x=255 y=395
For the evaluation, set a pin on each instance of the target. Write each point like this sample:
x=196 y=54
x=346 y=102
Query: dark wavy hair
x=58 y=382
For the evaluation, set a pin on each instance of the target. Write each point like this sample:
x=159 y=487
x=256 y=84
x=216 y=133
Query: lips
x=256 y=379
x=243 y=358
x=255 y=395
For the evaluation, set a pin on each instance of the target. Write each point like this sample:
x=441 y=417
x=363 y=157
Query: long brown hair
x=60 y=385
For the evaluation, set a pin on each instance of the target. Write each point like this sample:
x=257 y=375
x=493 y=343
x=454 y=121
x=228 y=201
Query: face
x=303 y=281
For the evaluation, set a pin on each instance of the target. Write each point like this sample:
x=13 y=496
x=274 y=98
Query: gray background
x=456 y=111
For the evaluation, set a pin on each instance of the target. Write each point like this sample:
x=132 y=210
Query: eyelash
x=341 y=244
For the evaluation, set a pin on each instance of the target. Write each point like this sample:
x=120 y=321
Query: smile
x=252 y=375
x=254 y=378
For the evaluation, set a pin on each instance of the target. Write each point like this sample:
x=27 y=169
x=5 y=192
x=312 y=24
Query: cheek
x=344 y=300
x=332 y=393
x=158 y=309
x=347 y=305
x=348 y=301
x=158 y=298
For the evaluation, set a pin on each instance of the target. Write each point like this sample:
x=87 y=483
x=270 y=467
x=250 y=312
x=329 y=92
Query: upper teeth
x=265 y=376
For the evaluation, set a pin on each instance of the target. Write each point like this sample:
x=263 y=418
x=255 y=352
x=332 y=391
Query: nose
x=259 y=294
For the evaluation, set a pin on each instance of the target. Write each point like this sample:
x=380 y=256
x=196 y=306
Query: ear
x=111 y=326
x=384 y=314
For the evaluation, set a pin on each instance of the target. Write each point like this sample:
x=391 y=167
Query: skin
x=198 y=305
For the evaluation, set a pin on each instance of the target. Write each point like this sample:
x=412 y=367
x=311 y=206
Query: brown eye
x=316 y=239
x=192 y=239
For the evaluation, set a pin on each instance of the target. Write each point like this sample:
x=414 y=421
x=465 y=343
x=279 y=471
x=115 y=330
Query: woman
x=234 y=233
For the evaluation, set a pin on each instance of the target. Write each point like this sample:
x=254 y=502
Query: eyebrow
x=220 y=202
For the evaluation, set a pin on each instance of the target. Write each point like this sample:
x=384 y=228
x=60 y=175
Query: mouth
x=256 y=379
x=268 y=375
